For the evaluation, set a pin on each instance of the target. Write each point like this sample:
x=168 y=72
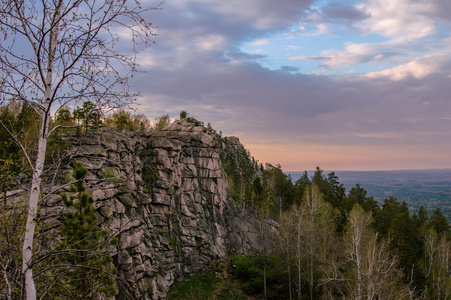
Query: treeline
x=330 y=244
x=19 y=125
x=19 y=130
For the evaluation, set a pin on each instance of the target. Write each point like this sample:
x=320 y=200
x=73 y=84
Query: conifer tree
x=300 y=186
x=440 y=223
x=86 y=270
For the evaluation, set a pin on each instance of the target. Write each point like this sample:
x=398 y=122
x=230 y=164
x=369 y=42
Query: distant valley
x=431 y=188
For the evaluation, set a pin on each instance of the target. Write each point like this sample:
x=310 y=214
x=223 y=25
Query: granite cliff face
x=165 y=196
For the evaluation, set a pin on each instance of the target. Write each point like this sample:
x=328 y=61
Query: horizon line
x=385 y=170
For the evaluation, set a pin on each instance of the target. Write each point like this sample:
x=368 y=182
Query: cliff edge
x=164 y=195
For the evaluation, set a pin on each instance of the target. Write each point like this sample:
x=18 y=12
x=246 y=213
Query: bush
x=183 y=114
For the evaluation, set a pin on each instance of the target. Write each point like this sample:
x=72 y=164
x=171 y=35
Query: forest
x=428 y=187
x=333 y=244
x=325 y=243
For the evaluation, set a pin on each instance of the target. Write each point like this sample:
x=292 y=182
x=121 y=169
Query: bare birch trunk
x=298 y=248
x=33 y=201
x=30 y=289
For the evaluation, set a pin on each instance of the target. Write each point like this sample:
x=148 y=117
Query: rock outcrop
x=165 y=196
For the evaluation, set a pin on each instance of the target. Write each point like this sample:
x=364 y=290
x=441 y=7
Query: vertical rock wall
x=165 y=196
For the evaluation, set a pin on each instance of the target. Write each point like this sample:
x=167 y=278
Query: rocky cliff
x=165 y=196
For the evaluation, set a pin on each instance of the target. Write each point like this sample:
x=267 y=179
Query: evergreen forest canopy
x=330 y=243
x=430 y=187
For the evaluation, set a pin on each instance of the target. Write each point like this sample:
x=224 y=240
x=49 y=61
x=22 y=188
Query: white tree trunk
x=30 y=289
x=27 y=252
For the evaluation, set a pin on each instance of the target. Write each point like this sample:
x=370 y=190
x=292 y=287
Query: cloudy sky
x=344 y=85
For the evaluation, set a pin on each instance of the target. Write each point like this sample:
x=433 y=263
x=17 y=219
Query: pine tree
x=406 y=242
x=300 y=186
x=87 y=271
x=440 y=223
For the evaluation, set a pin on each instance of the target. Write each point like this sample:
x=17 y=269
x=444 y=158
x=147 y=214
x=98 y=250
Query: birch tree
x=318 y=234
x=437 y=267
x=300 y=215
x=286 y=237
x=371 y=269
x=313 y=239
x=59 y=52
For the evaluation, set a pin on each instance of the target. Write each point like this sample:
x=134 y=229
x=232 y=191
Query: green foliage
x=394 y=221
x=162 y=122
x=422 y=216
x=87 y=271
x=8 y=147
x=249 y=269
x=183 y=114
x=333 y=191
x=17 y=124
x=22 y=122
x=300 y=186
x=251 y=185
x=173 y=242
x=213 y=282
x=149 y=175
x=198 y=287
x=244 y=176
x=192 y=120
x=384 y=218
x=64 y=117
x=439 y=222
x=8 y=172
x=12 y=229
x=56 y=149
x=358 y=195
x=281 y=188
x=88 y=115
x=125 y=120
x=395 y=234
x=109 y=173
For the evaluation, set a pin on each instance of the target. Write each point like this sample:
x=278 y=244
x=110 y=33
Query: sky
x=343 y=85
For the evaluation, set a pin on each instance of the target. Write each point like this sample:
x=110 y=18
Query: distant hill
x=431 y=188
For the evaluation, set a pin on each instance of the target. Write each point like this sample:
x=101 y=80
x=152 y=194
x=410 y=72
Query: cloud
x=338 y=10
x=309 y=58
x=354 y=54
x=210 y=42
x=319 y=29
x=399 y=19
x=258 y=14
x=442 y=9
x=415 y=69
x=289 y=69
x=245 y=97
x=260 y=42
x=243 y=56
x=196 y=65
